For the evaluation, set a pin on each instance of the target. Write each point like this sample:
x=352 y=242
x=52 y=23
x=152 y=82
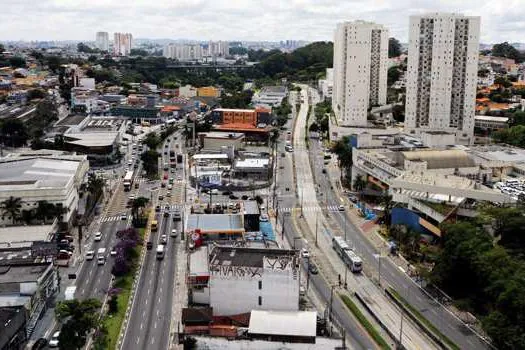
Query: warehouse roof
x=215 y=222
x=290 y=323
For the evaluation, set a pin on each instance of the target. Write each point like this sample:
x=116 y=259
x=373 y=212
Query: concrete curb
x=377 y=319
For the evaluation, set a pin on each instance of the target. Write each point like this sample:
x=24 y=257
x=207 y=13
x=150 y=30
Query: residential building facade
x=360 y=70
x=442 y=74
x=122 y=43
x=102 y=41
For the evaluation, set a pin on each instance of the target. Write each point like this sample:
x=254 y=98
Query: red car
x=165 y=176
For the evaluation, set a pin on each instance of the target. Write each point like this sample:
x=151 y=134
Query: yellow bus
x=154 y=225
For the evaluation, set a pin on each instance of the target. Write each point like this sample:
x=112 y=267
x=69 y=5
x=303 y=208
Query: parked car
x=313 y=269
x=161 y=197
x=263 y=217
x=232 y=196
x=244 y=197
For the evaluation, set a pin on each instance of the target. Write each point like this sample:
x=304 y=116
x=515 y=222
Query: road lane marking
x=138 y=339
x=152 y=340
x=141 y=325
x=155 y=325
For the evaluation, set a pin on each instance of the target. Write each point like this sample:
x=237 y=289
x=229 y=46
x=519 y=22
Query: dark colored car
x=149 y=245
x=157 y=208
x=232 y=196
x=227 y=193
x=244 y=197
x=313 y=269
x=39 y=344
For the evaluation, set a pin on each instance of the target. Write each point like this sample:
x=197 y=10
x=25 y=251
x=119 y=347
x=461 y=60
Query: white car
x=163 y=239
x=113 y=251
x=53 y=343
x=174 y=233
x=263 y=217
x=123 y=216
x=90 y=254
x=305 y=253
x=98 y=236
x=341 y=208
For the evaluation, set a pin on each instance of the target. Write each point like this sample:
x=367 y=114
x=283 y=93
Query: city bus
x=128 y=180
x=354 y=262
x=154 y=225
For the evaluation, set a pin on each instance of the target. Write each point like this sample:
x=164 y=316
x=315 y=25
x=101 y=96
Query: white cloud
x=240 y=19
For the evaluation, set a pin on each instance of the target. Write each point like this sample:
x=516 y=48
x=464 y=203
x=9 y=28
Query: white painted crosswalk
x=115 y=218
x=310 y=209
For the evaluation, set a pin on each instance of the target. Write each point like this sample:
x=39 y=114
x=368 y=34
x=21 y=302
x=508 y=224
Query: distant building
x=442 y=74
x=486 y=122
x=208 y=91
x=255 y=278
x=360 y=70
x=187 y=91
x=326 y=85
x=184 y=52
x=102 y=41
x=122 y=44
x=270 y=96
x=218 y=49
x=217 y=140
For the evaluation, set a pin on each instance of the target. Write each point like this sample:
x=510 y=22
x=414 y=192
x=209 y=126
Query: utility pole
x=316 y=227
x=308 y=274
x=379 y=267
x=331 y=301
x=302 y=201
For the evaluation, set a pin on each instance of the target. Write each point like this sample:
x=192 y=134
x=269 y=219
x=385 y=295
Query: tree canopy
x=507 y=50
x=486 y=274
x=394 y=48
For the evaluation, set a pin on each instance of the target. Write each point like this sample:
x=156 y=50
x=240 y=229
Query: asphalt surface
x=390 y=272
x=286 y=197
x=150 y=318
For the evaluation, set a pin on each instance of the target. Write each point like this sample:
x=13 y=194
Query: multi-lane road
x=151 y=313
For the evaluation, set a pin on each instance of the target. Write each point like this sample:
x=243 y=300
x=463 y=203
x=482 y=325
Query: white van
x=101 y=256
x=160 y=252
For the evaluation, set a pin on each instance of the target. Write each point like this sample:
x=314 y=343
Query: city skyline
x=247 y=21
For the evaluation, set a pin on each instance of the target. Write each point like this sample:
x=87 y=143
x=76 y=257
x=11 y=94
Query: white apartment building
x=360 y=70
x=326 y=85
x=122 y=44
x=442 y=74
x=102 y=41
x=218 y=49
x=184 y=52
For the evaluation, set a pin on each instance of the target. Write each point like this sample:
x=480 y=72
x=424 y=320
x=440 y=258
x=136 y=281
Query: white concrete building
x=360 y=70
x=218 y=48
x=184 y=52
x=42 y=176
x=442 y=74
x=102 y=41
x=236 y=280
x=122 y=44
x=326 y=85
x=270 y=96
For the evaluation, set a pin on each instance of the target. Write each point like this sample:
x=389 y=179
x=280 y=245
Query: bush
x=113 y=305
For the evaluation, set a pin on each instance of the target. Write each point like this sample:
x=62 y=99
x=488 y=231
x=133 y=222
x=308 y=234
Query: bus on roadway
x=128 y=180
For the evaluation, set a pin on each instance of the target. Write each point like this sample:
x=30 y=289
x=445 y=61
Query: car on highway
x=90 y=254
x=227 y=193
x=305 y=253
x=163 y=239
x=263 y=218
x=98 y=236
x=149 y=245
x=341 y=208
x=174 y=233
x=313 y=269
x=53 y=343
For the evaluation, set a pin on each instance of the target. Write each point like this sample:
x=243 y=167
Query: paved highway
x=150 y=318
x=390 y=272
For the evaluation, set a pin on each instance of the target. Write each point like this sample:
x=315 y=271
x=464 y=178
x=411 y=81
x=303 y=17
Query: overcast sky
x=240 y=19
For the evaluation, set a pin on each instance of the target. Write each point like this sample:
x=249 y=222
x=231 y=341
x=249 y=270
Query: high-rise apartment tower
x=360 y=70
x=102 y=41
x=442 y=74
x=122 y=44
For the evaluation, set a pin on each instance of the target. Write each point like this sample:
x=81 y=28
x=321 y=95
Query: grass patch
x=424 y=320
x=113 y=322
x=374 y=334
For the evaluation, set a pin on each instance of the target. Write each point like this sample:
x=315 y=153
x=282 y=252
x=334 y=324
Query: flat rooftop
x=273 y=89
x=92 y=139
x=221 y=343
x=199 y=262
x=72 y=120
x=241 y=256
x=22 y=273
x=35 y=173
x=290 y=323
x=253 y=163
x=210 y=156
x=215 y=222
x=24 y=234
x=222 y=135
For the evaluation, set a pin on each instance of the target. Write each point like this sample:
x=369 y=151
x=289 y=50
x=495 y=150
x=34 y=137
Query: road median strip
x=372 y=332
x=421 y=320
